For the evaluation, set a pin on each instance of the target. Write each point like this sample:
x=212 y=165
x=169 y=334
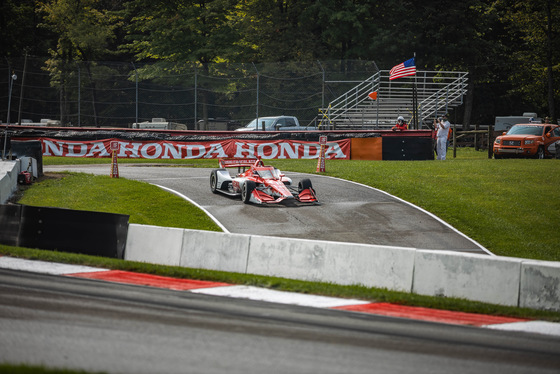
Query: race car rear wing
x=237 y=162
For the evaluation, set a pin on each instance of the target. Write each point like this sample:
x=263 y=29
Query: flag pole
x=415 y=97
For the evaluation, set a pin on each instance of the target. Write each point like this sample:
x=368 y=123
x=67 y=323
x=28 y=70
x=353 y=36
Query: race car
x=258 y=183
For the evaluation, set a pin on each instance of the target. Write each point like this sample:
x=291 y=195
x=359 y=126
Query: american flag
x=402 y=70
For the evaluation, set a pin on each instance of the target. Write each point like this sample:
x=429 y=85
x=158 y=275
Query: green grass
x=509 y=206
x=146 y=204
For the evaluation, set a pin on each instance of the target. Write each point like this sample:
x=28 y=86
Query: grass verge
x=146 y=204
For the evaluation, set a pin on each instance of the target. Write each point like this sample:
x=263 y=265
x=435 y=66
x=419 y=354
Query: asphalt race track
x=72 y=323
x=349 y=212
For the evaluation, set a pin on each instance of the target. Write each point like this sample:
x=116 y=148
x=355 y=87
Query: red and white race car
x=258 y=183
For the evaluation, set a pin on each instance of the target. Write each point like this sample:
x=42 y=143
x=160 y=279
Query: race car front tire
x=304 y=184
x=247 y=190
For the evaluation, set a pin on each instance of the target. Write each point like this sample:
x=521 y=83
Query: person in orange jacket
x=400 y=125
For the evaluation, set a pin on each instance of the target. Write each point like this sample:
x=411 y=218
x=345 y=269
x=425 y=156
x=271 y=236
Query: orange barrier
x=366 y=149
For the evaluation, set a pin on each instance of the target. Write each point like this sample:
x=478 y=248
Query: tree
x=182 y=31
x=18 y=25
x=84 y=28
x=536 y=54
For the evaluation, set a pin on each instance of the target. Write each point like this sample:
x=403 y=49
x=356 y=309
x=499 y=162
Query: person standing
x=443 y=126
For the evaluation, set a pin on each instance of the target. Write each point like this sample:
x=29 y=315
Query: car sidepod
x=221 y=181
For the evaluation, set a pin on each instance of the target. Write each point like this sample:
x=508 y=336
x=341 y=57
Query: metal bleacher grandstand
x=437 y=93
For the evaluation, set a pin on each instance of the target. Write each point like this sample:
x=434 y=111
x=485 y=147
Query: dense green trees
x=510 y=47
x=536 y=54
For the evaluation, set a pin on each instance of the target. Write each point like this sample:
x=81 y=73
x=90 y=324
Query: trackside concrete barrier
x=491 y=279
x=540 y=285
x=475 y=277
x=340 y=263
x=153 y=244
x=215 y=251
x=9 y=171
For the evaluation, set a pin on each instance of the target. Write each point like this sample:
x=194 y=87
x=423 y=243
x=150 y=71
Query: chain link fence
x=117 y=94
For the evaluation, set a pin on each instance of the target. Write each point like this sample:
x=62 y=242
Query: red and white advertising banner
x=238 y=148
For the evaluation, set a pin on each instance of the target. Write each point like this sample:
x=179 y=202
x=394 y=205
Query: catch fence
x=118 y=94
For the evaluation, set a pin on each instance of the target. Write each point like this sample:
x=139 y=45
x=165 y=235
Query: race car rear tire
x=214 y=181
x=304 y=184
x=247 y=190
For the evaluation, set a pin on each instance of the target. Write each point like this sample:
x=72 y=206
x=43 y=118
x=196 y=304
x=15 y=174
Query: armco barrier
x=497 y=280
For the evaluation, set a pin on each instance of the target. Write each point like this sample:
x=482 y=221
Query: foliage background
x=510 y=48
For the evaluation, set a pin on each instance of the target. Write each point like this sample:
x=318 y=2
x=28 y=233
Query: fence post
x=454 y=140
x=476 y=147
x=196 y=98
x=22 y=85
x=490 y=140
x=323 y=86
x=257 y=99
x=136 y=92
x=376 y=101
x=79 y=94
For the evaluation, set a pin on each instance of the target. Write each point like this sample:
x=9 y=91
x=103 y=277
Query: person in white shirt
x=442 y=125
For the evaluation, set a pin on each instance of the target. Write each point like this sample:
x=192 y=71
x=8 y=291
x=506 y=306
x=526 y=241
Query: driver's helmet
x=400 y=118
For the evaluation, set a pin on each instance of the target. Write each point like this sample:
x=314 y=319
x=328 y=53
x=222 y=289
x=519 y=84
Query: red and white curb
x=282 y=297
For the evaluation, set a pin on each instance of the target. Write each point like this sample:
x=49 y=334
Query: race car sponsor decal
x=237 y=162
x=238 y=148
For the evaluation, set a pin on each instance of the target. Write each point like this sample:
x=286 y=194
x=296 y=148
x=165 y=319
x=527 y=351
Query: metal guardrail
x=437 y=92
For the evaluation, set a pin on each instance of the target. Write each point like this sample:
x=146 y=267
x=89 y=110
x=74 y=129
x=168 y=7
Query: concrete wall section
x=378 y=266
x=475 y=277
x=495 y=280
x=340 y=263
x=540 y=285
x=288 y=258
x=153 y=244
x=9 y=171
x=215 y=251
